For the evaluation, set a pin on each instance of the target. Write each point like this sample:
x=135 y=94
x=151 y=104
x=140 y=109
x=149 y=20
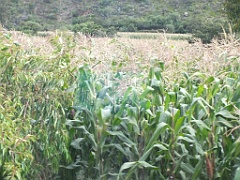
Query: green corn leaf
x=133 y=166
x=122 y=137
x=200 y=103
x=18 y=174
x=90 y=136
x=146 y=165
x=183 y=108
x=184 y=92
x=155 y=83
x=165 y=117
x=76 y=143
x=133 y=121
x=175 y=113
x=230 y=81
x=226 y=123
x=198 y=147
x=151 y=73
x=236 y=95
x=198 y=169
x=200 y=90
x=125 y=166
x=185 y=74
x=178 y=124
x=183 y=175
x=233 y=150
x=179 y=161
x=160 y=128
x=209 y=80
x=119 y=147
x=185 y=139
x=226 y=114
x=216 y=87
x=200 y=99
x=172 y=96
x=106 y=113
x=146 y=92
x=201 y=125
x=71 y=123
x=91 y=89
x=102 y=93
x=147 y=153
x=157 y=72
x=148 y=111
x=146 y=104
x=80 y=108
x=237 y=174
x=123 y=103
x=166 y=102
x=187 y=168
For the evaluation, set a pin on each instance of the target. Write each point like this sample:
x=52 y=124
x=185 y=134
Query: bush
x=232 y=9
x=89 y=28
x=30 y=27
x=170 y=28
x=111 y=31
x=128 y=28
x=93 y=29
x=206 y=31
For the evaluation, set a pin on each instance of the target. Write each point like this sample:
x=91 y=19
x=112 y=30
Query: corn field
x=79 y=108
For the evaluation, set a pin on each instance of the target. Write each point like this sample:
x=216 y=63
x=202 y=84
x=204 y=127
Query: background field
x=136 y=50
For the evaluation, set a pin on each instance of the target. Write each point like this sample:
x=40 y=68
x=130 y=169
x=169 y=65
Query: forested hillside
x=94 y=101
x=178 y=16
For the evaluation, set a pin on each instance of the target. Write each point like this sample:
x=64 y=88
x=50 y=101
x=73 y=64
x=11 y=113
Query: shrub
x=170 y=28
x=89 y=28
x=206 y=31
x=30 y=27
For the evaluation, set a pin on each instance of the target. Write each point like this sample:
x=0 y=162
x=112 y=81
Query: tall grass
x=33 y=110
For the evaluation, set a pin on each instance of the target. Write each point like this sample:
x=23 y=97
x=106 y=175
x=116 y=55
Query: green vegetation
x=70 y=110
x=62 y=118
x=33 y=112
x=30 y=27
x=92 y=29
x=202 y=18
x=232 y=8
x=154 y=35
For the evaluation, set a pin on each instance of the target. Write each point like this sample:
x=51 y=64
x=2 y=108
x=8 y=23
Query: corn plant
x=58 y=121
x=188 y=130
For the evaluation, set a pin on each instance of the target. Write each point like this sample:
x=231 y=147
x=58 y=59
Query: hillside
x=124 y=15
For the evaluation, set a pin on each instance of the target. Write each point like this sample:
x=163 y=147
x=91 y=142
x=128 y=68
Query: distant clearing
x=148 y=35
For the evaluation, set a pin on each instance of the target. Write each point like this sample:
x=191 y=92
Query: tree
x=89 y=28
x=206 y=30
x=31 y=27
x=232 y=9
x=4 y=11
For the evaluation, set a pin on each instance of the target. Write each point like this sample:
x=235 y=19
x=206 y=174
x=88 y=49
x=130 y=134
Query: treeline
x=106 y=17
x=171 y=23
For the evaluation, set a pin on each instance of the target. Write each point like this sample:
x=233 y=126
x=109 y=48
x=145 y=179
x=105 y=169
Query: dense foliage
x=173 y=16
x=33 y=105
x=61 y=121
x=188 y=131
x=232 y=8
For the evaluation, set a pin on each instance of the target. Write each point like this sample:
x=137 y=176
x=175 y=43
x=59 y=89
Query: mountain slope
x=141 y=14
